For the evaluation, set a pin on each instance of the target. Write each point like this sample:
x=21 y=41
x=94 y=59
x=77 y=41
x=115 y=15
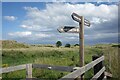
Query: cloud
x=102 y=36
x=20 y=34
x=57 y=14
x=44 y=22
x=41 y=35
x=10 y=18
x=29 y=35
x=97 y=20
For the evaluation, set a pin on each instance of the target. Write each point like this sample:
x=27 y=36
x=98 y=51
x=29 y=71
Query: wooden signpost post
x=80 y=30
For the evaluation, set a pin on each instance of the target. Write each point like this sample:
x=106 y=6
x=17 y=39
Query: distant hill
x=13 y=44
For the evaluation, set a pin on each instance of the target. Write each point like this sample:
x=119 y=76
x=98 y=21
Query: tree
x=76 y=45
x=58 y=43
x=67 y=45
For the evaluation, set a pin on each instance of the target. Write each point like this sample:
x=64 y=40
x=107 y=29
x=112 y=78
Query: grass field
x=57 y=56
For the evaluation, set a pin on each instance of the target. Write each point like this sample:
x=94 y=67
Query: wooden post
x=81 y=42
x=98 y=67
x=29 y=71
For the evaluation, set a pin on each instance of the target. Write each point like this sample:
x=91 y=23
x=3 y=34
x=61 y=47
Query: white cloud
x=10 y=18
x=35 y=27
x=57 y=14
x=41 y=35
x=104 y=35
x=97 y=20
x=29 y=35
x=20 y=34
x=102 y=18
x=25 y=26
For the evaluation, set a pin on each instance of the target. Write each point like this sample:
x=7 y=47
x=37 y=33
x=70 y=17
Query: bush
x=73 y=58
x=116 y=45
x=76 y=45
x=13 y=44
x=58 y=43
x=67 y=45
x=4 y=65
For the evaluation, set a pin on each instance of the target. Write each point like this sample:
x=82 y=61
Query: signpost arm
x=81 y=50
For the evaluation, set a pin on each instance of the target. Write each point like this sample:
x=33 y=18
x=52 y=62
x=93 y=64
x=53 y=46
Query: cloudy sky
x=34 y=23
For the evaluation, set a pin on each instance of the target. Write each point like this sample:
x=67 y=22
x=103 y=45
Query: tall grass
x=57 y=56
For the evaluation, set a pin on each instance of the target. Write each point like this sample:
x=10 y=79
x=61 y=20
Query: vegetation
x=76 y=45
x=68 y=45
x=13 y=44
x=58 y=43
x=57 y=56
x=116 y=45
x=39 y=45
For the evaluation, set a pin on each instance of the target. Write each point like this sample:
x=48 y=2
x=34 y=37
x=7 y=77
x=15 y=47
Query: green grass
x=13 y=44
x=57 y=56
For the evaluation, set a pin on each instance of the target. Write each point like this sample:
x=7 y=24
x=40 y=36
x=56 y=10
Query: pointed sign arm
x=68 y=29
x=77 y=18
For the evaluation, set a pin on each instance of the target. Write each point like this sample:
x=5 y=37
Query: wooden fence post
x=28 y=71
x=98 y=67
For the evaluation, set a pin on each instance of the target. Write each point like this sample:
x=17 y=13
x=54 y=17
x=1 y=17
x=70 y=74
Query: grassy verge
x=57 y=56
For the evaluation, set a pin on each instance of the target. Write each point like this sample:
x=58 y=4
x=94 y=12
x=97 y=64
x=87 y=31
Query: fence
x=99 y=69
x=85 y=68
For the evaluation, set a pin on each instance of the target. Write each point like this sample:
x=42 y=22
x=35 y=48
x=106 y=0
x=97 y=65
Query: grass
x=57 y=56
x=13 y=44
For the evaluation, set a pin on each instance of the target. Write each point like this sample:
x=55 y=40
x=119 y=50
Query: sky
x=37 y=22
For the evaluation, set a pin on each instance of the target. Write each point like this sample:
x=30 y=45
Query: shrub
x=4 y=65
x=58 y=43
x=116 y=45
x=67 y=45
x=73 y=58
x=76 y=45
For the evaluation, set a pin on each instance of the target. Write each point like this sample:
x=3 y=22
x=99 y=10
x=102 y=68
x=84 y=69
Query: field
x=52 y=55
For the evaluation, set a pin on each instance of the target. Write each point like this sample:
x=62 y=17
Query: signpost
x=68 y=29
x=80 y=30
